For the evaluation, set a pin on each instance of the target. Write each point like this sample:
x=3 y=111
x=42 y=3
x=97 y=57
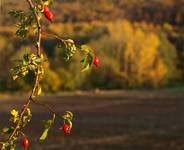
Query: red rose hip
x=25 y=143
x=66 y=128
x=48 y=14
x=96 y=61
x=45 y=9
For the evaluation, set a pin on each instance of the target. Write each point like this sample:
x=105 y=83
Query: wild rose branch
x=30 y=21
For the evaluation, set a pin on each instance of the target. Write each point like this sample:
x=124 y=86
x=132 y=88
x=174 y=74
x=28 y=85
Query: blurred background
x=140 y=44
x=141 y=47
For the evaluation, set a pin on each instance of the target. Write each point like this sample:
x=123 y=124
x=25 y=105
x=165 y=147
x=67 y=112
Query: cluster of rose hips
x=49 y=15
x=66 y=130
x=96 y=61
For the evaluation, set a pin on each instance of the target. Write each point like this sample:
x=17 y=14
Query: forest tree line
x=140 y=44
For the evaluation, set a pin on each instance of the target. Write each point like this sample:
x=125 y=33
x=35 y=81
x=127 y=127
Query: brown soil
x=115 y=121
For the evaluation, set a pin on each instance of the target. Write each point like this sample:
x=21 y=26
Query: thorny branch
x=36 y=83
x=87 y=61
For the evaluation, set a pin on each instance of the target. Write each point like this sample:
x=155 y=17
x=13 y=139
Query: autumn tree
x=146 y=56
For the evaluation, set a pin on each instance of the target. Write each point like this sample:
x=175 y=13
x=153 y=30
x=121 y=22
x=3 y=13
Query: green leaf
x=22 y=32
x=38 y=60
x=47 y=126
x=30 y=62
x=44 y=135
x=27 y=117
x=70 y=124
x=68 y=115
x=69 y=48
x=26 y=21
x=7 y=130
x=85 y=68
x=85 y=48
x=17 y=14
x=87 y=62
x=48 y=123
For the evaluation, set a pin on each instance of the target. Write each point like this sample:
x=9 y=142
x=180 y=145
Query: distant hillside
x=156 y=11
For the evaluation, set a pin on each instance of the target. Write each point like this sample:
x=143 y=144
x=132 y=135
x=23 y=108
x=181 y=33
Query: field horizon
x=130 y=121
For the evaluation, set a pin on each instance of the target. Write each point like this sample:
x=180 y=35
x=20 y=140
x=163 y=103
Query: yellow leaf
x=86 y=68
x=39 y=91
x=15 y=77
x=14 y=113
x=28 y=112
x=46 y=3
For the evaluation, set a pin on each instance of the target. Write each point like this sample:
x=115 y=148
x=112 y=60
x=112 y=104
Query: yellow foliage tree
x=143 y=54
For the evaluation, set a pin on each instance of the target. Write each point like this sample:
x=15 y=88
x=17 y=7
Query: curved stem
x=38 y=25
x=48 y=108
x=58 y=38
x=16 y=130
x=52 y=36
